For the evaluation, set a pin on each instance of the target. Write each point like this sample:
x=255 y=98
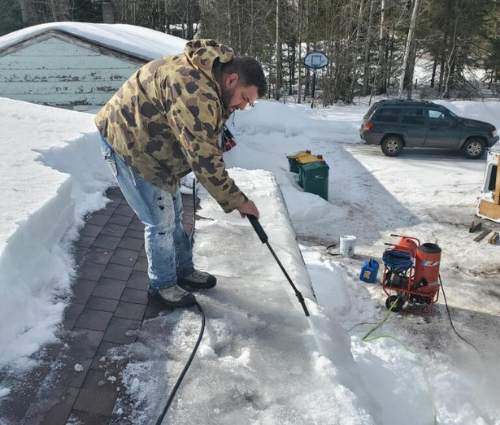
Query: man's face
x=235 y=95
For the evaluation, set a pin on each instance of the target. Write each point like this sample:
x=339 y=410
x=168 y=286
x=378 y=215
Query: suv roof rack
x=405 y=101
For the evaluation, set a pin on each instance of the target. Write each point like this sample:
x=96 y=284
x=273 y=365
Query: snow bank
x=268 y=117
x=482 y=111
x=138 y=41
x=51 y=176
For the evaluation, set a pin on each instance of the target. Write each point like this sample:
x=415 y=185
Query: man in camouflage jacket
x=164 y=122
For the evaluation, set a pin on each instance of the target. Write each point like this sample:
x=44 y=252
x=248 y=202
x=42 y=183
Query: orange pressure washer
x=411 y=275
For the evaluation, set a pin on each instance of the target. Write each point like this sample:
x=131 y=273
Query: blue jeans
x=168 y=247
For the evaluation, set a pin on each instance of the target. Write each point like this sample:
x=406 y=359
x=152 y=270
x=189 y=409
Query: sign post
x=315 y=60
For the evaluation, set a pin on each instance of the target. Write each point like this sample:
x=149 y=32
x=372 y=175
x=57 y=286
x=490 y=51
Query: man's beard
x=227 y=95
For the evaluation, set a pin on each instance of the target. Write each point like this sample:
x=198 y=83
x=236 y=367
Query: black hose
x=186 y=367
x=451 y=321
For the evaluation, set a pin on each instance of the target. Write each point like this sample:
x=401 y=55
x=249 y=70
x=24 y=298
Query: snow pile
x=141 y=42
x=298 y=120
x=51 y=175
x=483 y=111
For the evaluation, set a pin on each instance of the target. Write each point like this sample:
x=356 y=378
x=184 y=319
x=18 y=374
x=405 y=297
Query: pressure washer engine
x=411 y=275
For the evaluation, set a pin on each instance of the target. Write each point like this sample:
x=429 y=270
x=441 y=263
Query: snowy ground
x=427 y=194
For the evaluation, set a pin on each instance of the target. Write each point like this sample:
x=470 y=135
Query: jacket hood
x=203 y=54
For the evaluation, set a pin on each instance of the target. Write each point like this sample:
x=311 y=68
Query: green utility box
x=293 y=160
x=313 y=178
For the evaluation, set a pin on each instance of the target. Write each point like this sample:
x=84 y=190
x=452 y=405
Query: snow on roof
x=137 y=41
x=51 y=175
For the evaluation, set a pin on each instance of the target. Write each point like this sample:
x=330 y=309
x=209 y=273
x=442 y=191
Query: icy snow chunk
x=112 y=378
x=135 y=385
x=323 y=366
x=79 y=367
x=206 y=351
x=242 y=360
x=4 y=392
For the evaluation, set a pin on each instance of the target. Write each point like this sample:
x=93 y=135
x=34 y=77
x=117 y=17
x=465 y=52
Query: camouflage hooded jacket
x=166 y=119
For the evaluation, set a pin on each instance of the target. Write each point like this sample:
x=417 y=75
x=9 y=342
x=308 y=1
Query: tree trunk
x=411 y=69
x=409 y=42
x=381 y=88
x=228 y=24
x=307 y=85
x=189 y=20
x=252 y=25
x=167 y=22
x=366 y=75
x=27 y=12
x=391 y=53
x=291 y=62
x=240 y=43
x=299 y=77
x=434 y=67
x=450 y=63
x=356 y=50
x=278 y=53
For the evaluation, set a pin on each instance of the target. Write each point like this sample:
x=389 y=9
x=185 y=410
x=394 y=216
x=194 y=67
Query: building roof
x=143 y=43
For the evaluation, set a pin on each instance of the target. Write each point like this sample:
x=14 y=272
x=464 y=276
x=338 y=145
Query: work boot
x=173 y=297
x=197 y=280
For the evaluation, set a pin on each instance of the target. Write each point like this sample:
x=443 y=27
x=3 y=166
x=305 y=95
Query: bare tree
x=27 y=12
x=299 y=79
x=450 y=63
x=356 y=48
x=409 y=43
x=381 y=80
x=278 y=54
x=366 y=75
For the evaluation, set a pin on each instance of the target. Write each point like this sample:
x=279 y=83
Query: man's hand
x=248 y=208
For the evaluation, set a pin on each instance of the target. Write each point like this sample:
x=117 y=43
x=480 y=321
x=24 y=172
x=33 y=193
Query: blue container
x=369 y=271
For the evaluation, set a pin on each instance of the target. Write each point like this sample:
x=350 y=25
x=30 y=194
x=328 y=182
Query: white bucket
x=347 y=243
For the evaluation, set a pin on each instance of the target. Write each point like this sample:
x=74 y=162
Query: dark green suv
x=394 y=124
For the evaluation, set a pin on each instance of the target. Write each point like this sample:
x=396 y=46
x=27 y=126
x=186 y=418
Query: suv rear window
x=387 y=115
x=370 y=111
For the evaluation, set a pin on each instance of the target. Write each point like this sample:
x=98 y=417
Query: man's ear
x=232 y=80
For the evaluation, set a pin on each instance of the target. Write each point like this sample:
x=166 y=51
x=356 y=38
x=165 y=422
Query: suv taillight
x=368 y=126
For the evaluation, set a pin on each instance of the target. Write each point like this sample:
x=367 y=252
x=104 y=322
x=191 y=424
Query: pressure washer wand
x=254 y=221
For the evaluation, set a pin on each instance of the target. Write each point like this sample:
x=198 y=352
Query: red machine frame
x=409 y=244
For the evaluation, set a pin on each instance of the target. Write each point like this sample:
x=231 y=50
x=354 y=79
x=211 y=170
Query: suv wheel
x=474 y=148
x=392 y=146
